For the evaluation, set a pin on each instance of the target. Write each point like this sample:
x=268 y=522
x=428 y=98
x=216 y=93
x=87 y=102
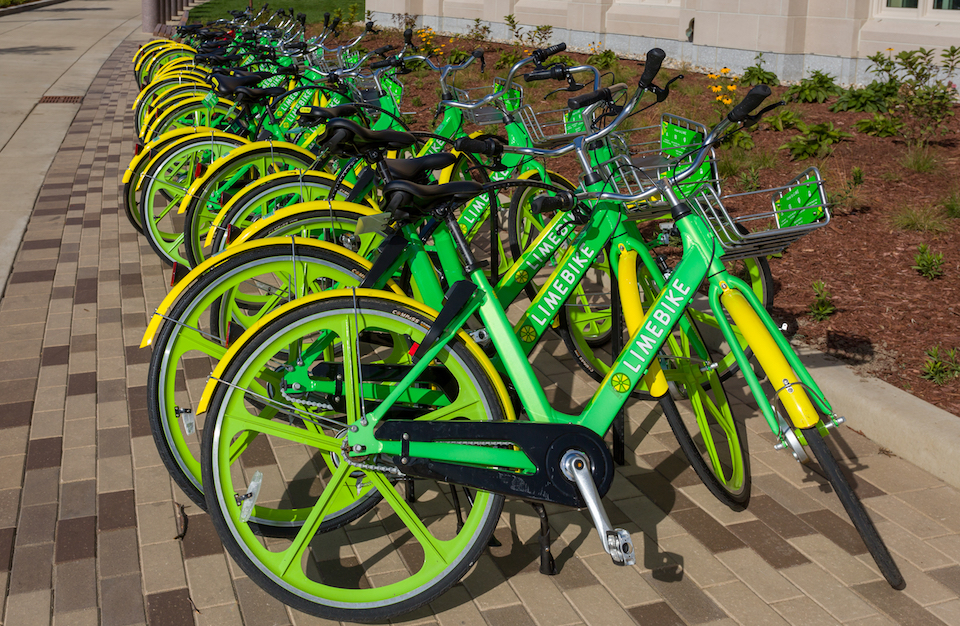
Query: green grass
x=12 y=3
x=924 y=218
x=314 y=9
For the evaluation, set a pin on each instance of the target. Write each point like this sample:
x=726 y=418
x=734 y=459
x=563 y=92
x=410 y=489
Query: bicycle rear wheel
x=378 y=566
x=854 y=508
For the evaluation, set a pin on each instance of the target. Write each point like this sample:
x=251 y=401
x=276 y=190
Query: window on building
x=946 y=4
x=903 y=4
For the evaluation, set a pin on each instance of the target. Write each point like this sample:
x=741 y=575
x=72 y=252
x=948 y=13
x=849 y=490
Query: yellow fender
x=250 y=233
x=209 y=132
x=148 y=50
x=634 y=316
x=181 y=286
x=236 y=154
x=181 y=64
x=152 y=61
x=152 y=127
x=169 y=135
x=229 y=205
x=482 y=358
x=778 y=370
x=185 y=78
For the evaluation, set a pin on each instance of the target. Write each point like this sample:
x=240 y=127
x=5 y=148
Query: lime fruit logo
x=522 y=277
x=527 y=334
x=620 y=382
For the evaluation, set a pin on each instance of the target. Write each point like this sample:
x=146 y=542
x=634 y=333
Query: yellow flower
x=727 y=100
x=712 y=76
x=889 y=49
x=716 y=88
x=719 y=98
x=731 y=87
x=725 y=70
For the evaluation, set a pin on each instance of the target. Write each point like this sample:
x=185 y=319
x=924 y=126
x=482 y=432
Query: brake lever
x=750 y=120
x=572 y=85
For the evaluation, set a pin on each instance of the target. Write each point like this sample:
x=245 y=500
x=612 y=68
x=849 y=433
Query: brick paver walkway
x=88 y=514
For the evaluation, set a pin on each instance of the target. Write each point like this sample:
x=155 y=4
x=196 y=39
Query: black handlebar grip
x=384 y=49
x=335 y=23
x=326 y=19
x=368 y=27
x=487 y=147
x=376 y=65
x=554 y=72
x=756 y=96
x=543 y=54
x=408 y=36
x=478 y=53
x=585 y=100
x=655 y=58
x=563 y=201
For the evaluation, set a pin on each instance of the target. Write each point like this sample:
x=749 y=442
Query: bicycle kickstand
x=547 y=564
x=616 y=541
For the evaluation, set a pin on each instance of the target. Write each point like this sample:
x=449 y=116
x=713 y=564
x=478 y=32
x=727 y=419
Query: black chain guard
x=543 y=443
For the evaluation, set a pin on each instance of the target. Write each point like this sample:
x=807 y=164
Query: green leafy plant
x=537 y=37
x=730 y=163
x=756 y=75
x=940 y=369
x=919 y=158
x=922 y=94
x=750 y=179
x=879 y=126
x=602 y=59
x=508 y=58
x=416 y=101
x=951 y=205
x=458 y=56
x=783 y=119
x=822 y=307
x=923 y=218
x=814 y=141
x=479 y=31
x=817 y=88
x=740 y=139
x=870 y=99
x=927 y=263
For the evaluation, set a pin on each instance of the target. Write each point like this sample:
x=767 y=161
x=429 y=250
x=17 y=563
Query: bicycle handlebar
x=606 y=93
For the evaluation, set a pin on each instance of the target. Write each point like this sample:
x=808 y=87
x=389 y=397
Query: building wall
x=795 y=36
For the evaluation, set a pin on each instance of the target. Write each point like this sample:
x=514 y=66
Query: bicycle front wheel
x=346 y=351
x=854 y=508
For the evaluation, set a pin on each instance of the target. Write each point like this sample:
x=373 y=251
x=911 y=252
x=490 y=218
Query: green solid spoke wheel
x=166 y=182
x=400 y=555
x=194 y=336
x=226 y=178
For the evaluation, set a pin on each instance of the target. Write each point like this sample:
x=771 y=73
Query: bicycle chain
x=303 y=401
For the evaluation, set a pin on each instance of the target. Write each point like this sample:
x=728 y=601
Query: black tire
x=854 y=508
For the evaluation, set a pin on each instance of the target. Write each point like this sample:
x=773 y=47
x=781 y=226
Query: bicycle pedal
x=620 y=547
x=616 y=541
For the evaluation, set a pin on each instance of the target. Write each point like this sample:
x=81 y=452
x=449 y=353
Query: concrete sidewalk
x=88 y=514
x=50 y=51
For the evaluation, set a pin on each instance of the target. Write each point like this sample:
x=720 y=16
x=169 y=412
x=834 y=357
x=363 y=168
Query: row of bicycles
x=342 y=373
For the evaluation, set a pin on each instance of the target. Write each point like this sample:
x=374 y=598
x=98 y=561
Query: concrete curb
x=29 y=6
x=925 y=435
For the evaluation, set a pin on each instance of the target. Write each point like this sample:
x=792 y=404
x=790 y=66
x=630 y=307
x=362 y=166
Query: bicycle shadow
x=34 y=49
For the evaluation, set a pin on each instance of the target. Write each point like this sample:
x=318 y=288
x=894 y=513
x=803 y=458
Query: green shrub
x=814 y=141
x=817 y=88
x=952 y=205
x=929 y=265
x=603 y=59
x=822 y=306
x=940 y=369
x=879 y=126
x=783 y=119
x=756 y=75
x=870 y=99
